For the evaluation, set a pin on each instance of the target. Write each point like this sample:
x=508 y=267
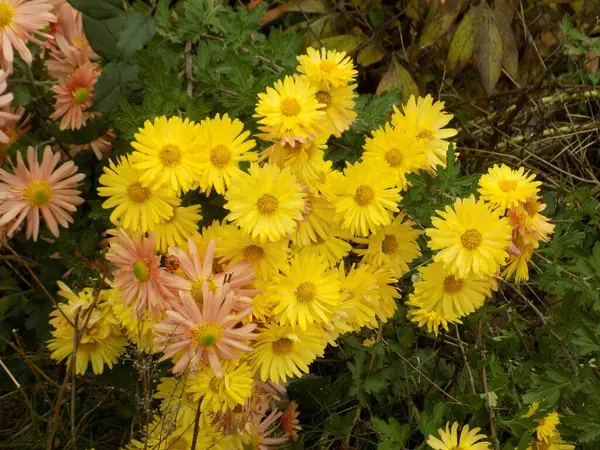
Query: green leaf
x=391 y=434
x=375 y=386
x=115 y=81
x=430 y=421
x=136 y=31
x=550 y=386
x=103 y=35
x=99 y=9
x=463 y=41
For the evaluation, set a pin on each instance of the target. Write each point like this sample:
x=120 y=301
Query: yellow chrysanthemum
x=547 y=426
x=358 y=293
x=290 y=111
x=282 y=352
x=401 y=152
x=266 y=202
x=470 y=237
x=517 y=263
x=425 y=119
x=450 y=440
x=207 y=234
x=387 y=293
x=225 y=145
x=137 y=329
x=218 y=394
x=306 y=291
x=394 y=244
x=317 y=220
x=508 y=188
x=167 y=153
x=177 y=403
x=137 y=207
x=332 y=248
x=553 y=443
x=449 y=296
x=429 y=319
x=366 y=198
x=339 y=109
x=175 y=231
x=327 y=69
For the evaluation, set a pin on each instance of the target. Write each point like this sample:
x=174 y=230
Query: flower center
x=207 y=334
x=220 y=156
x=80 y=96
x=171 y=263
x=327 y=66
x=141 y=270
x=531 y=206
x=323 y=97
x=169 y=155
x=389 y=245
x=508 y=185
x=426 y=134
x=364 y=195
x=7 y=12
x=196 y=289
x=290 y=107
x=452 y=285
x=38 y=194
x=283 y=346
x=394 y=157
x=471 y=239
x=306 y=292
x=138 y=193
x=77 y=42
x=253 y=253
x=267 y=205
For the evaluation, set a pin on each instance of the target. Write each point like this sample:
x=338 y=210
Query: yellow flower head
x=167 y=153
x=266 y=202
x=470 y=237
x=331 y=248
x=553 y=443
x=225 y=145
x=547 y=426
x=426 y=318
x=138 y=328
x=450 y=439
x=327 y=69
x=339 y=109
x=366 y=198
x=426 y=120
x=177 y=404
x=387 y=293
x=359 y=293
x=400 y=151
x=290 y=111
x=507 y=188
x=175 y=231
x=529 y=224
x=317 y=220
x=517 y=263
x=137 y=207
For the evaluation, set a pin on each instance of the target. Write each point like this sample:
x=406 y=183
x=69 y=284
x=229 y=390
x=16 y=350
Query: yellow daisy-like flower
x=137 y=329
x=175 y=231
x=366 y=199
x=218 y=394
x=282 y=352
x=532 y=410
x=266 y=202
x=553 y=443
x=289 y=112
x=508 y=188
x=394 y=244
x=547 y=426
x=306 y=291
x=137 y=207
x=359 y=289
x=327 y=69
x=401 y=152
x=177 y=403
x=470 y=237
x=339 y=109
x=426 y=120
x=424 y=317
x=226 y=144
x=387 y=293
x=332 y=248
x=449 y=296
x=517 y=263
x=167 y=153
x=207 y=234
x=450 y=440
x=317 y=219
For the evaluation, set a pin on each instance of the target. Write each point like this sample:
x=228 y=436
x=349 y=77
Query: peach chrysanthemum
x=37 y=188
x=19 y=19
x=12 y=126
x=6 y=113
x=74 y=95
x=138 y=276
x=101 y=146
x=206 y=334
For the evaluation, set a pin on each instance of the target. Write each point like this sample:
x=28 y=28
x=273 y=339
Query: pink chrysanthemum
x=138 y=276
x=208 y=334
x=19 y=19
x=260 y=435
x=12 y=127
x=74 y=95
x=65 y=58
x=6 y=113
x=101 y=146
x=37 y=188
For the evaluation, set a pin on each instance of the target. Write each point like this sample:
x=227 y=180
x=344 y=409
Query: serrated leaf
x=488 y=50
x=463 y=41
x=397 y=77
x=375 y=385
x=115 y=81
x=99 y=9
x=510 y=52
x=136 y=31
x=392 y=435
x=441 y=22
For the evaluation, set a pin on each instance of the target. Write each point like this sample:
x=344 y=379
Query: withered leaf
x=441 y=22
x=488 y=49
x=463 y=41
x=510 y=53
x=398 y=77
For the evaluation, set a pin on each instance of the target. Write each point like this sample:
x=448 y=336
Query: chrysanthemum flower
x=226 y=145
x=266 y=202
x=289 y=112
x=206 y=335
x=508 y=188
x=528 y=224
x=440 y=291
x=289 y=421
x=306 y=291
x=220 y=393
x=553 y=443
x=426 y=120
x=317 y=220
x=74 y=95
x=394 y=244
x=177 y=404
x=19 y=20
x=387 y=293
x=470 y=237
x=175 y=231
x=339 y=109
x=36 y=188
x=67 y=56
x=425 y=317
x=366 y=198
x=138 y=276
x=399 y=151
x=8 y=116
x=358 y=298
x=547 y=426
x=101 y=146
x=327 y=69
x=168 y=152
x=306 y=161
x=517 y=262
x=282 y=352
x=332 y=248
x=138 y=208
x=450 y=440
x=168 y=433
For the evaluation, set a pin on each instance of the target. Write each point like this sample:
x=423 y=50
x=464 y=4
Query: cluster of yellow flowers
x=547 y=436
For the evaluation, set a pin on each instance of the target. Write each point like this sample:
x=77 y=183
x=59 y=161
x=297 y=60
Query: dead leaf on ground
x=510 y=52
x=488 y=50
x=397 y=77
x=441 y=22
x=343 y=42
x=463 y=41
x=308 y=6
x=508 y=7
x=370 y=54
